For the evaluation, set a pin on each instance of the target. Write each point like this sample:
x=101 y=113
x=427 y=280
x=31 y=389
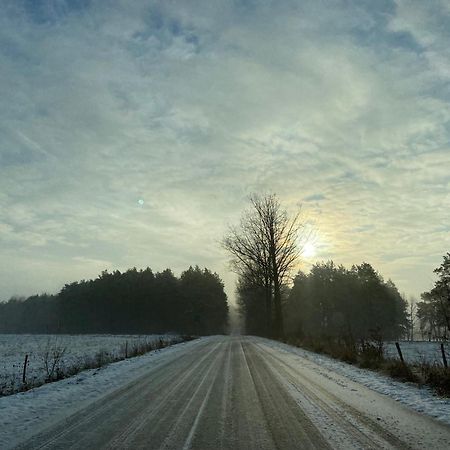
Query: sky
x=133 y=133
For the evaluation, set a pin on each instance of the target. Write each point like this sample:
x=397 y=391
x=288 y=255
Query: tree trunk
x=278 y=319
x=268 y=288
x=278 y=322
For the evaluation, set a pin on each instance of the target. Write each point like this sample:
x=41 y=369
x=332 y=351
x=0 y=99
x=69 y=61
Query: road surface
x=240 y=393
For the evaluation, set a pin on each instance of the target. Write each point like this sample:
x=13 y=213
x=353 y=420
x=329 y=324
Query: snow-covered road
x=241 y=392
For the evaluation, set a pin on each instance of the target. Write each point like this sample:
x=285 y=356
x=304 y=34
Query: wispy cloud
x=191 y=106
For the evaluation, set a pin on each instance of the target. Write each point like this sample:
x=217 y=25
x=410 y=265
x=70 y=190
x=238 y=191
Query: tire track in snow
x=238 y=393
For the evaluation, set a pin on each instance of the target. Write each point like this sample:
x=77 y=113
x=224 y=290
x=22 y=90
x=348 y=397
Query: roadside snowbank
x=26 y=413
x=58 y=356
x=421 y=399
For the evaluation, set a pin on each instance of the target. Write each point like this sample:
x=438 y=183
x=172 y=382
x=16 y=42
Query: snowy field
x=60 y=353
x=343 y=388
x=418 y=351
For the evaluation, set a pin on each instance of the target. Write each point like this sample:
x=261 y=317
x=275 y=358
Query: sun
x=309 y=250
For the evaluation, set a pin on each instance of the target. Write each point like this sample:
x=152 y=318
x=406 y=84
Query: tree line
x=334 y=302
x=433 y=312
x=329 y=302
x=134 y=302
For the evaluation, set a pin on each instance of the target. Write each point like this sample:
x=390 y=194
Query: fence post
x=400 y=352
x=24 y=373
x=444 y=358
x=126 y=349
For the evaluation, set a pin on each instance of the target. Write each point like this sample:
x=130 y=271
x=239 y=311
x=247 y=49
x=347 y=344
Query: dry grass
x=370 y=355
x=52 y=360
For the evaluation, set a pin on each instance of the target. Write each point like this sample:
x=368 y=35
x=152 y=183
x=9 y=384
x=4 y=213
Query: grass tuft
x=369 y=354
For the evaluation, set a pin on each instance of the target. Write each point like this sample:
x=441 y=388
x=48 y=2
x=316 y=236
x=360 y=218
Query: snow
x=78 y=349
x=24 y=414
x=418 y=351
x=28 y=412
x=420 y=399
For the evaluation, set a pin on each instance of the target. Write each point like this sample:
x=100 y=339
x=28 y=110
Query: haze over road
x=242 y=393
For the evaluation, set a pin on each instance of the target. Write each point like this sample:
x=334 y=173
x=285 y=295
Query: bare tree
x=412 y=313
x=265 y=248
x=250 y=258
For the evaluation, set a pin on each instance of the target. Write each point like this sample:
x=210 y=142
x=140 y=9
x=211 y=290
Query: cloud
x=193 y=106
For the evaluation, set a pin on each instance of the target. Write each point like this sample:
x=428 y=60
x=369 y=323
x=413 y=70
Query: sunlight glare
x=309 y=250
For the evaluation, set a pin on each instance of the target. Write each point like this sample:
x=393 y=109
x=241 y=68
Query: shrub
x=439 y=378
x=52 y=359
x=401 y=371
x=371 y=354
